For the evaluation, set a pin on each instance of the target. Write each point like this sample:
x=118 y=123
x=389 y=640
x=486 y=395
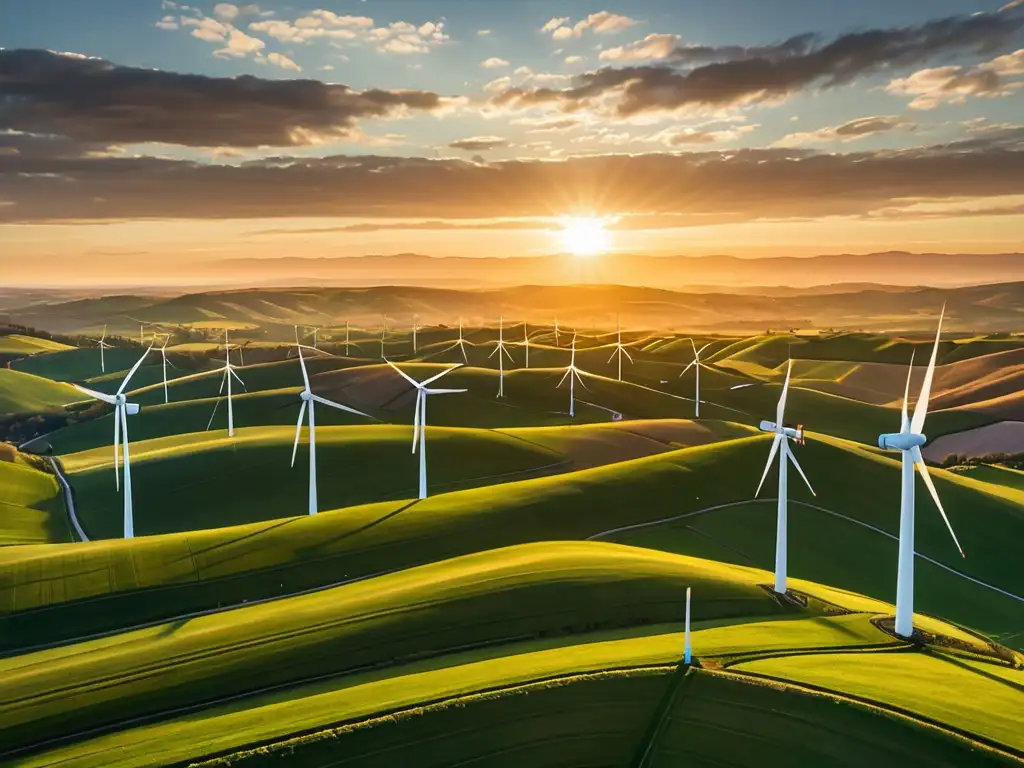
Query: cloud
x=93 y=100
x=498 y=85
x=802 y=183
x=848 y=131
x=743 y=76
x=167 y=22
x=954 y=84
x=545 y=124
x=399 y=37
x=483 y=32
x=493 y=63
x=573 y=59
x=600 y=23
x=655 y=46
x=283 y=61
x=479 y=143
x=225 y=11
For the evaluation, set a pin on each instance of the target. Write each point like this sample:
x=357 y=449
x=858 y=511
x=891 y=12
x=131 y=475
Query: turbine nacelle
x=901 y=441
x=792 y=433
x=306 y=395
x=132 y=408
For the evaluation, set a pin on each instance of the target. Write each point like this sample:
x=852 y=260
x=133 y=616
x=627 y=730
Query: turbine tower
x=500 y=350
x=573 y=374
x=908 y=441
x=620 y=351
x=696 y=363
x=122 y=410
x=526 y=343
x=461 y=344
x=780 y=443
x=308 y=398
x=419 y=421
x=415 y=322
x=163 y=354
x=229 y=371
x=556 y=331
x=103 y=346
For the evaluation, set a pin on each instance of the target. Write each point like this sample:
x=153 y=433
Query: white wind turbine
x=780 y=443
x=122 y=410
x=461 y=344
x=696 y=363
x=908 y=441
x=229 y=371
x=500 y=350
x=415 y=323
x=308 y=398
x=620 y=350
x=526 y=342
x=556 y=332
x=419 y=420
x=573 y=374
x=103 y=346
x=163 y=354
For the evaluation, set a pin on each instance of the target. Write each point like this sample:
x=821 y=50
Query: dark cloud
x=93 y=100
x=865 y=126
x=745 y=183
x=479 y=143
x=704 y=76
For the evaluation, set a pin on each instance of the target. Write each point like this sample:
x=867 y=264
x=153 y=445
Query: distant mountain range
x=894 y=268
x=988 y=308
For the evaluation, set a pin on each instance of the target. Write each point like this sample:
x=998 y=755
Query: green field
x=16 y=344
x=31 y=506
x=25 y=393
x=81 y=364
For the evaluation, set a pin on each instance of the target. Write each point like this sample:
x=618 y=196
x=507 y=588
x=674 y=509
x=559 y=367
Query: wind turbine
x=414 y=329
x=419 y=421
x=526 y=343
x=163 y=354
x=103 y=345
x=308 y=398
x=780 y=443
x=229 y=371
x=461 y=344
x=556 y=331
x=908 y=441
x=620 y=350
x=696 y=363
x=122 y=409
x=572 y=373
x=499 y=350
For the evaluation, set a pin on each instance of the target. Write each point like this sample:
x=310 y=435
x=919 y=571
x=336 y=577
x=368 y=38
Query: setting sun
x=584 y=236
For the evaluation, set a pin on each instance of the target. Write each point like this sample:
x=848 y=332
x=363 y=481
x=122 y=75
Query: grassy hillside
x=103 y=585
x=524 y=592
x=31 y=507
x=191 y=481
x=16 y=344
x=25 y=393
x=80 y=364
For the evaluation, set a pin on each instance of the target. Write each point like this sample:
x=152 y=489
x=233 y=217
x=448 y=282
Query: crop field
x=530 y=610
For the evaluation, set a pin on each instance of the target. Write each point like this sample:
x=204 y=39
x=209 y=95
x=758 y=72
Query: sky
x=137 y=131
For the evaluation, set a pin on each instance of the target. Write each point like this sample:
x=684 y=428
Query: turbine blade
x=496 y=348
x=628 y=356
x=133 y=370
x=564 y=377
x=302 y=363
x=507 y=353
x=687 y=368
x=443 y=391
x=905 y=423
x=117 y=446
x=612 y=357
x=216 y=405
x=439 y=375
x=702 y=348
x=921 y=407
x=416 y=419
x=580 y=379
x=237 y=377
x=404 y=375
x=768 y=464
x=780 y=409
x=339 y=406
x=792 y=457
x=298 y=429
x=98 y=395
x=922 y=468
x=223 y=381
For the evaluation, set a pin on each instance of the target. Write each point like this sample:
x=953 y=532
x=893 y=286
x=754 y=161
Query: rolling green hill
x=25 y=393
x=80 y=364
x=31 y=507
x=17 y=344
x=52 y=591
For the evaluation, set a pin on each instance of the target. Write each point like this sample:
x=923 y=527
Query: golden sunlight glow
x=584 y=236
